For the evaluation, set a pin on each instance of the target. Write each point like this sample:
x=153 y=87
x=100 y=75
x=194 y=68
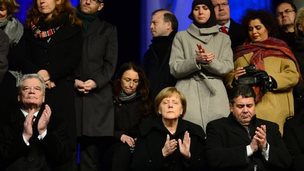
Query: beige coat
x=278 y=104
x=202 y=84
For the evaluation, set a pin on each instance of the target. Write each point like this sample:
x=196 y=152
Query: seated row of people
x=240 y=141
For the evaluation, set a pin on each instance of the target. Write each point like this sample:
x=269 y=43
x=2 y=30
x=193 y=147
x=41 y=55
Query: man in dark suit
x=30 y=140
x=4 y=47
x=234 y=30
x=294 y=139
x=242 y=142
x=93 y=102
x=164 y=26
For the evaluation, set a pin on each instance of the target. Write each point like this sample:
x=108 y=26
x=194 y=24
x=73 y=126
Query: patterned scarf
x=271 y=47
x=43 y=34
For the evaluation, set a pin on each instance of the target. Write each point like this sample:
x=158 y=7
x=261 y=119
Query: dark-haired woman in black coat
x=131 y=105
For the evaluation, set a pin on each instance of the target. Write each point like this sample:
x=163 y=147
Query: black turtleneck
x=86 y=18
x=161 y=43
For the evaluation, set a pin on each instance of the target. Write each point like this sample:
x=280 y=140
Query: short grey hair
x=298 y=20
x=30 y=76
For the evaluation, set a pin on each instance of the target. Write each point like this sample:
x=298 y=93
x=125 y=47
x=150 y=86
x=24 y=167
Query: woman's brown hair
x=11 y=6
x=34 y=15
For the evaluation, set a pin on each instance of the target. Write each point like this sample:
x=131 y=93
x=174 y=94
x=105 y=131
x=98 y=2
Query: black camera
x=255 y=77
x=250 y=69
x=250 y=77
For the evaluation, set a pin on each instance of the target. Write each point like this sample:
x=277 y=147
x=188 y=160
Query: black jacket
x=298 y=91
x=60 y=56
x=47 y=154
x=237 y=34
x=95 y=111
x=226 y=146
x=128 y=115
x=148 y=151
x=294 y=139
x=156 y=64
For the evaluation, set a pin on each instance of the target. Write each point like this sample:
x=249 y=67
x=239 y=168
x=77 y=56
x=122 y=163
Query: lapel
x=240 y=131
x=16 y=120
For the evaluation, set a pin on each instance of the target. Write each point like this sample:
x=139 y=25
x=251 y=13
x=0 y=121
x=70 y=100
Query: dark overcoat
x=95 y=111
x=148 y=150
x=226 y=146
x=294 y=139
x=237 y=34
x=46 y=154
x=298 y=90
x=156 y=64
x=59 y=56
x=4 y=46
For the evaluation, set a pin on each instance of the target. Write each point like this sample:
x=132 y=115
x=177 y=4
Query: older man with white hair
x=29 y=139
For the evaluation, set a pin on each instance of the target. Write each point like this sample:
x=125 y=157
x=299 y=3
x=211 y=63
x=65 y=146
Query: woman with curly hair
x=276 y=65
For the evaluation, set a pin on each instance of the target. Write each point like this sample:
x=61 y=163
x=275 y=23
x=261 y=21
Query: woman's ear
x=181 y=113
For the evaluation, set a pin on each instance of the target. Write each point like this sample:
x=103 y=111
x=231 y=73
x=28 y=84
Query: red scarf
x=271 y=47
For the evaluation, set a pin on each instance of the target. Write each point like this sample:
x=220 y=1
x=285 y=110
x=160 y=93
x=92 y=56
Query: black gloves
x=266 y=82
x=257 y=78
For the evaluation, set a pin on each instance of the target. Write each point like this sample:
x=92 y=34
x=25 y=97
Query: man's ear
x=300 y=27
x=18 y=98
x=101 y=5
x=231 y=107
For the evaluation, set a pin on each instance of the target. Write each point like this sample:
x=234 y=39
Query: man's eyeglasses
x=287 y=11
x=222 y=5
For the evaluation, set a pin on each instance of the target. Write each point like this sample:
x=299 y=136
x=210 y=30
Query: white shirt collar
x=26 y=113
x=227 y=25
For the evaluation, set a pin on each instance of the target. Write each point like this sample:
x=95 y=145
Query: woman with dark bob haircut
x=131 y=105
x=168 y=142
x=273 y=67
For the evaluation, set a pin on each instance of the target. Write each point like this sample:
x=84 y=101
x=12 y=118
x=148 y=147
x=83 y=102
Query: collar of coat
x=154 y=123
x=202 y=34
